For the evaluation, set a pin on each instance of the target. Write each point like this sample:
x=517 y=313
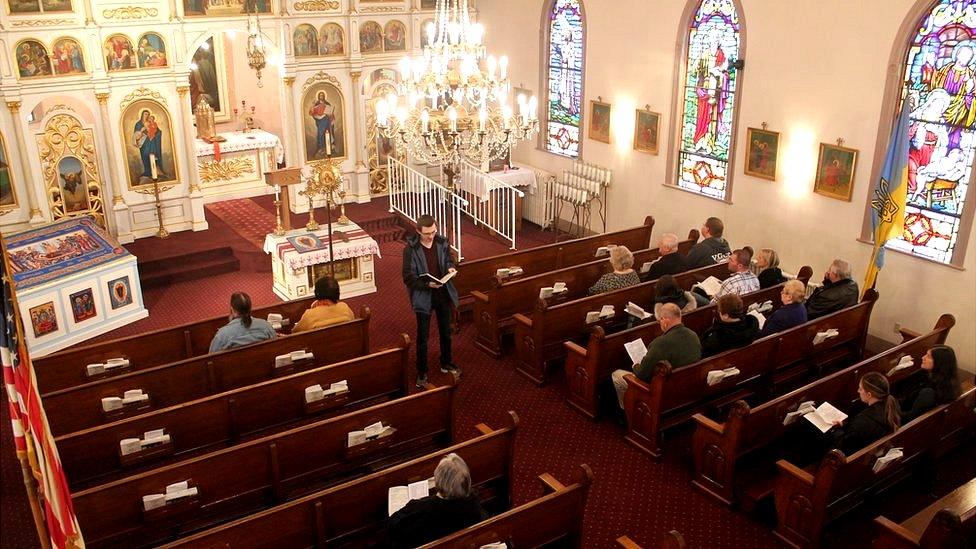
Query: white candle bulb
x=425 y=120
x=152 y=166
x=482 y=118
x=507 y=115
x=452 y=116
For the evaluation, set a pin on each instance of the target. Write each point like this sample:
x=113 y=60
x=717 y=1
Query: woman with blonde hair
x=791 y=314
x=623 y=275
x=769 y=272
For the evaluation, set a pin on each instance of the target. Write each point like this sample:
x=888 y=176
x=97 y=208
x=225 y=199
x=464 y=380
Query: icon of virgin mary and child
x=148 y=137
x=323 y=113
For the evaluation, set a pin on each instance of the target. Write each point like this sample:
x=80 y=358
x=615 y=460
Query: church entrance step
x=189 y=266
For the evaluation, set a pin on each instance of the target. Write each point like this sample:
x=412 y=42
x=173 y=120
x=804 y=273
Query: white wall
x=815 y=71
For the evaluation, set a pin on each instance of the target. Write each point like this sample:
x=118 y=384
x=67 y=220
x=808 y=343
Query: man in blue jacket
x=427 y=253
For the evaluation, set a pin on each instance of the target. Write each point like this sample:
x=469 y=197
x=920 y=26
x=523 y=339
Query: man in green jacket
x=677 y=344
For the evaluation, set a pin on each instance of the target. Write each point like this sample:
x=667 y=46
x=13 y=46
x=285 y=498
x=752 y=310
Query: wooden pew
x=539 y=338
x=264 y=472
x=556 y=518
x=77 y=408
x=949 y=522
x=673 y=395
x=352 y=514
x=494 y=307
x=67 y=368
x=807 y=501
x=225 y=418
x=586 y=367
x=722 y=450
x=670 y=540
x=477 y=274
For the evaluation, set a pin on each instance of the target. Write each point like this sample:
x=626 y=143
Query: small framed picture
x=646 y=131
x=83 y=305
x=600 y=121
x=835 y=171
x=44 y=319
x=762 y=153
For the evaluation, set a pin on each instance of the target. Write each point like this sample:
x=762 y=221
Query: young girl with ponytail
x=881 y=417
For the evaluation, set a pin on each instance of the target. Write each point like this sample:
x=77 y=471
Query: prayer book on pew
x=647 y=265
x=803 y=409
x=905 y=362
x=824 y=416
x=290 y=358
x=636 y=350
x=710 y=285
x=316 y=392
x=442 y=280
x=557 y=288
x=399 y=496
x=824 y=336
x=506 y=272
x=604 y=251
x=893 y=454
x=718 y=376
x=277 y=321
x=371 y=432
x=636 y=310
x=593 y=316
x=759 y=316
x=763 y=307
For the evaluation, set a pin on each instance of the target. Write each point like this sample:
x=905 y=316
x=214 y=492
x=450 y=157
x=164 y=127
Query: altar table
x=235 y=168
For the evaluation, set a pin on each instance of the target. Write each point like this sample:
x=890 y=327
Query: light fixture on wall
x=256 y=55
x=452 y=102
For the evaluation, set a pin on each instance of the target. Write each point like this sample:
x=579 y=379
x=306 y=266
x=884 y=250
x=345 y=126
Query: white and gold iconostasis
x=96 y=91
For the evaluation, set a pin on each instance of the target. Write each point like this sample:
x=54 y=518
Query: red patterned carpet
x=631 y=494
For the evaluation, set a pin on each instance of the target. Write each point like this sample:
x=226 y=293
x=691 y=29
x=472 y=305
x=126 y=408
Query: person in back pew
x=939 y=386
x=623 y=275
x=881 y=417
x=677 y=344
x=732 y=329
x=838 y=291
x=742 y=280
x=712 y=249
x=243 y=329
x=454 y=507
x=791 y=314
x=769 y=272
x=326 y=310
x=670 y=262
x=667 y=290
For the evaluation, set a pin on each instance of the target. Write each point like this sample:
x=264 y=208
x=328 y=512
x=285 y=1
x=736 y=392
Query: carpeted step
x=176 y=268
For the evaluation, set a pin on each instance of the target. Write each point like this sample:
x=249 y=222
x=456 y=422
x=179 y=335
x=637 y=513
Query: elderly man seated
x=671 y=262
x=838 y=291
x=326 y=310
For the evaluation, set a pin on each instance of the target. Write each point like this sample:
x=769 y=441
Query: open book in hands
x=427 y=277
x=399 y=496
x=636 y=350
x=825 y=416
x=710 y=285
x=636 y=310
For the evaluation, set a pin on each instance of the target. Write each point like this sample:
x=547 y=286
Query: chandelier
x=452 y=103
x=256 y=55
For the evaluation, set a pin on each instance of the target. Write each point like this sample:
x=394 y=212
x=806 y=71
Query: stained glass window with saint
x=709 y=99
x=939 y=80
x=564 y=69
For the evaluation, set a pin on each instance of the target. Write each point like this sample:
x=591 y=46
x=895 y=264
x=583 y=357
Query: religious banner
x=323 y=122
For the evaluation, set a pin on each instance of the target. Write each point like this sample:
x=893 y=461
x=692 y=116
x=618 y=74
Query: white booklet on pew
x=710 y=285
x=442 y=280
x=604 y=251
x=825 y=416
x=892 y=455
x=636 y=310
x=759 y=316
x=904 y=362
x=647 y=265
x=399 y=496
x=636 y=350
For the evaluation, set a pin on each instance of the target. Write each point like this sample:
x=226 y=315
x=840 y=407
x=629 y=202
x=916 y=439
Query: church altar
x=522 y=179
x=73 y=282
x=300 y=256
x=235 y=168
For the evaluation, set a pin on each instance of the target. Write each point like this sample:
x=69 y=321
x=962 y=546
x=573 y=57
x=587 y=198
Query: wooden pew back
x=350 y=514
x=77 y=408
x=222 y=419
x=264 y=472
x=949 y=522
x=67 y=368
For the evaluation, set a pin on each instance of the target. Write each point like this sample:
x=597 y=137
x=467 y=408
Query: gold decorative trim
x=182 y=90
x=289 y=80
x=320 y=76
x=225 y=170
x=141 y=93
x=355 y=75
x=36 y=212
x=64 y=137
x=13 y=106
x=42 y=22
x=316 y=5
x=381 y=9
x=58 y=107
x=125 y=13
x=102 y=97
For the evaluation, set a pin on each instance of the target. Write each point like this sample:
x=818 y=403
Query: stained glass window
x=564 y=69
x=709 y=99
x=940 y=79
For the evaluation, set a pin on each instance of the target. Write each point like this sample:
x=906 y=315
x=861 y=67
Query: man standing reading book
x=427 y=261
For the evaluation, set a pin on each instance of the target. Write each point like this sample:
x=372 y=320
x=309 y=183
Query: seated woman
x=769 y=272
x=243 y=329
x=326 y=309
x=881 y=417
x=667 y=291
x=623 y=274
x=940 y=385
x=791 y=314
x=453 y=508
x=732 y=329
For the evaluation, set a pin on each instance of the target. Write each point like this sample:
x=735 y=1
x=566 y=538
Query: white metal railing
x=490 y=201
x=413 y=194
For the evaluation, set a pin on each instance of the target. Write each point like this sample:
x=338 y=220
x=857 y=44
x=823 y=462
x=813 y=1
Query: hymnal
x=710 y=285
x=300 y=355
x=559 y=287
x=718 y=376
x=759 y=317
x=282 y=360
x=116 y=362
x=184 y=493
x=134 y=395
x=399 y=496
x=153 y=501
x=606 y=311
x=95 y=369
x=824 y=336
x=636 y=349
x=636 y=310
x=355 y=438
x=803 y=409
x=592 y=317
x=761 y=307
x=501 y=273
x=314 y=393
x=275 y=317
x=825 y=416
x=893 y=454
x=130 y=446
x=545 y=293
x=111 y=403
x=647 y=266
x=337 y=387
x=603 y=251
x=177 y=487
x=442 y=280
x=905 y=362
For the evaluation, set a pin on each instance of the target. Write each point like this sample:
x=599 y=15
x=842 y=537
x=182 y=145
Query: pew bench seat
x=948 y=522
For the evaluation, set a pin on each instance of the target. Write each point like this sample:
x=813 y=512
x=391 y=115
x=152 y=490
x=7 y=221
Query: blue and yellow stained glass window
x=564 y=69
x=940 y=76
x=709 y=92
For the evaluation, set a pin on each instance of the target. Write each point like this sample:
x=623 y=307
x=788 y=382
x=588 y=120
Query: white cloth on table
x=360 y=244
x=239 y=141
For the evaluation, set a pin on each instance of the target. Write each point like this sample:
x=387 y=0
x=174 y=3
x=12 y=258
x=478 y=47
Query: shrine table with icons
x=300 y=257
x=235 y=168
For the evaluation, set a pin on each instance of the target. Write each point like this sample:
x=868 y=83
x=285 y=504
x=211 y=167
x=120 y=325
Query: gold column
x=188 y=139
x=358 y=153
x=290 y=134
x=102 y=97
x=19 y=137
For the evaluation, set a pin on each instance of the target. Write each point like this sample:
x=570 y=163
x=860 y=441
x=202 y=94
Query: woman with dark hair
x=732 y=329
x=243 y=329
x=667 y=291
x=881 y=417
x=941 y=383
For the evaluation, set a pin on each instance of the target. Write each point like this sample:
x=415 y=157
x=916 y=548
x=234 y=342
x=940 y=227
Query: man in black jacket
x=671 y=262
x=428 y=253
x=838 y=291
x=712 y=249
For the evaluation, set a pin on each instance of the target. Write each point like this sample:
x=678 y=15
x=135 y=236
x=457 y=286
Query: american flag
x=32 y=437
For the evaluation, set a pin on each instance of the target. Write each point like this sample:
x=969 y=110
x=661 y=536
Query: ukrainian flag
x=890 y=195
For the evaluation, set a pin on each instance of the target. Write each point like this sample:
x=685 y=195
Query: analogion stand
x=300 y=257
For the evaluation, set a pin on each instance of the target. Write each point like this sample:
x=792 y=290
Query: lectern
x=280 y=180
